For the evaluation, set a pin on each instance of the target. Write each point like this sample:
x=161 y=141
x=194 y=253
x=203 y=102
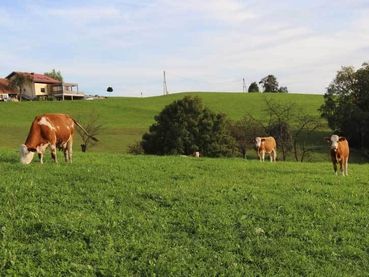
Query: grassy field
x=122 y=215
x=126 y=119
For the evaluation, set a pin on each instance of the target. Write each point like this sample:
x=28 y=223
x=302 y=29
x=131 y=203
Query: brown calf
x=340 y=152
x=266 y=145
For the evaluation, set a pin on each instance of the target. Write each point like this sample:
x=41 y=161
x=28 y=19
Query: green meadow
x=123 y=215
x=126 y=119
x=114 y=214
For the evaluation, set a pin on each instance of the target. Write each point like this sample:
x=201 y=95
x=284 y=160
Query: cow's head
x=333 y=140
x=26 y=155
x=258 y=142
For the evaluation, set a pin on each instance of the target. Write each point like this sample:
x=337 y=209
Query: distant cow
x=50 y=130
x=266 y=145
x=196 y=154
x=340 y=152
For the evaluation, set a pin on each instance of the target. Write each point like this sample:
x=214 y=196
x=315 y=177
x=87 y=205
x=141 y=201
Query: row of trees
x=269 y=84
x=187 y=125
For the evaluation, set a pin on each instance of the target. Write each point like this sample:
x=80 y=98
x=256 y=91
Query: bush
x=186 y=126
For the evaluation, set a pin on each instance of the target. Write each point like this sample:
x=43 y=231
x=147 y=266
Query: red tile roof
x=36 y=78
x=4 y=87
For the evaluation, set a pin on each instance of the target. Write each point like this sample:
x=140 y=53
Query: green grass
x=119 y=215
x=126 y=119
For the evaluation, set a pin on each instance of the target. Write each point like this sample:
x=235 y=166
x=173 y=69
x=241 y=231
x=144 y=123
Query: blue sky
x=207 y=45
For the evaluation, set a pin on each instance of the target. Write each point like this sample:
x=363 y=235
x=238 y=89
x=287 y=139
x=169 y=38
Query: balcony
x=66 y=91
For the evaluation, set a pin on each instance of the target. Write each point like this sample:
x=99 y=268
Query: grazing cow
x=50 y=130
x=266 y=145
x=340 y=152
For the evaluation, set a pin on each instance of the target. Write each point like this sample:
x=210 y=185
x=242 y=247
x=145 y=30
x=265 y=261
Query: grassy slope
x=124 y=215
x=126 y=119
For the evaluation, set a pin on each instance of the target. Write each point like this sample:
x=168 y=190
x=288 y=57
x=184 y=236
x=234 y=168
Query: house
x=40 y=86
x=6 y=91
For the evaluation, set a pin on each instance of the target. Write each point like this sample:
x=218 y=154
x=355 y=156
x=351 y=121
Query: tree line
x=186 y=125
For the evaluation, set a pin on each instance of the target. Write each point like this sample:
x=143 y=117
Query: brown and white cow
x=340 y=152
x=53 y=131
x=266 y=145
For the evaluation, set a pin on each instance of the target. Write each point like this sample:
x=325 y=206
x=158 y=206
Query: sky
x=207 y=45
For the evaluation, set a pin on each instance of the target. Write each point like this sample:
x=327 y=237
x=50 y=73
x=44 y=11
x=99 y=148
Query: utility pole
x=165 y=88
x=244 y=85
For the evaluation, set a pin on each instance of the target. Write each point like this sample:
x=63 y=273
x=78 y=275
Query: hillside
x=126 y=119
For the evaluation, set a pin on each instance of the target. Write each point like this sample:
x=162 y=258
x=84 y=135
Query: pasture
x=119 y=215
x=126 y=119
x=114 y=214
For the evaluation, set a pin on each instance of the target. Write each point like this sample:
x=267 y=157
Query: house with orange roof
x=40 y=86
x=6 y=91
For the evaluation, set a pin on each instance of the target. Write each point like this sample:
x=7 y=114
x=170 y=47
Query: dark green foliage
x=55 y=75
x=283 y=90
x=269 y=83
x=186 y=126
x=253 y=87
x=346 y=105
x=109 y=89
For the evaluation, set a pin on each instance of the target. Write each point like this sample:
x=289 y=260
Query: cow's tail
x=84 y=130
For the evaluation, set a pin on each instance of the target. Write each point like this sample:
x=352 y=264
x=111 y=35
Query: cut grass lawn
x=109 y=214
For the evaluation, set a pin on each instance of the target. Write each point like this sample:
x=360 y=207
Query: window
x=43 y=90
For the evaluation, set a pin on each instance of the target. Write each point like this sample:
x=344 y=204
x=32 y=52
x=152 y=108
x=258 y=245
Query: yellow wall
x=38 y=87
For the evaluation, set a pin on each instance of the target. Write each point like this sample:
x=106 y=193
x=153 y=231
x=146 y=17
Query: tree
x=93 y=127
x=269 y=83
x=109 y=89
x=245 y=131
x=253 y=87
x=18 y=83
x=283 y=90
x=185 y=126
x=306 y=124
x=346 y=105
x=55 y=75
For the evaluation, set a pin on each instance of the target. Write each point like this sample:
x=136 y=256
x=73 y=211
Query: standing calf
x=340 y=152
x=266 y=145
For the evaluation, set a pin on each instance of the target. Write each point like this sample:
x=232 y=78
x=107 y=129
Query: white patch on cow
x=44 y=121
x=334 y=141
x=257 y=142
x=41 y=148
x=25 y=155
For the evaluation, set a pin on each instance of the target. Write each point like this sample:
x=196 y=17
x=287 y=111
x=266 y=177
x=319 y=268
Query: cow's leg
x=53 y=152
x=65 y=152
x=262 y=155
x=346 y=166
x=274 y=155
x=41 y=157
x=271 y=156
x=68 y=151
x=342 y=167
x=335 y=167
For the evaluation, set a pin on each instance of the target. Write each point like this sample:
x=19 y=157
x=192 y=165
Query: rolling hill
x=126 y=119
